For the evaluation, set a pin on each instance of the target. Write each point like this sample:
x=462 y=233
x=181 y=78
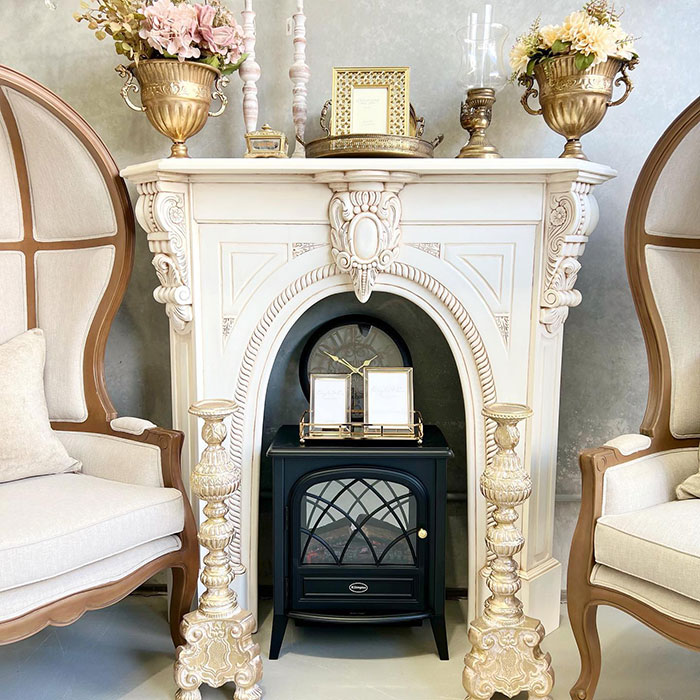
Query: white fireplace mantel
x=488 y=248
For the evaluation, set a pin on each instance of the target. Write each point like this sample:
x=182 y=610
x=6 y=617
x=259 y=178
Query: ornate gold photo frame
x=372 y=100
x=389 y=399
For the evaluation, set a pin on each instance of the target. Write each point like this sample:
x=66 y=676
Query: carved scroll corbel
x=572 y=216
x=365 y=234
x=162 y=215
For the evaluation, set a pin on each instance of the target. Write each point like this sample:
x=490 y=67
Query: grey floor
x=124 y=652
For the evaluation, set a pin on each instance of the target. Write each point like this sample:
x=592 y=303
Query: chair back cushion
x=663 y=261
x=66 y=237
x=28 y=445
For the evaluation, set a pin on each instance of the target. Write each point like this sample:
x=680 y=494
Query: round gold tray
x=370 y=146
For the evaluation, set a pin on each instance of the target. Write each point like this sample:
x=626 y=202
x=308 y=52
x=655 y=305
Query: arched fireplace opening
x=438 y=395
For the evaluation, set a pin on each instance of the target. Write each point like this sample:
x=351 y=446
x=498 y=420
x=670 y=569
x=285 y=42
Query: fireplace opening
x=438 y=395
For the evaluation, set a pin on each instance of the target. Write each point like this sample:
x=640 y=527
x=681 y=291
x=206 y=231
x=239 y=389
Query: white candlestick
x=250 y=70
x=299 y=74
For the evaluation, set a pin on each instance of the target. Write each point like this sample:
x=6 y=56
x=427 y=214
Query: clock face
x=355 y=339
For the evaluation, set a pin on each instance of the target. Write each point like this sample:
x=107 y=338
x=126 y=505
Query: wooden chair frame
x=184 y=562
x=583 y=596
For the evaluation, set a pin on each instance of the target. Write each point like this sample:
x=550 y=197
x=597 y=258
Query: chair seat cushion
x=23 y=599
x=660 y=544
x=50 y=525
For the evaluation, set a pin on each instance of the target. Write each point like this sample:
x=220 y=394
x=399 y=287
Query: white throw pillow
x=28 y=445
x=690 y=488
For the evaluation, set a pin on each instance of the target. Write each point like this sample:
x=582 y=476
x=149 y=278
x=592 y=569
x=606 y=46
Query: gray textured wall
x=604 y=369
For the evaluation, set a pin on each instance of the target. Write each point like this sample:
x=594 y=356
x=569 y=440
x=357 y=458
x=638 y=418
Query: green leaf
x=212 y=61
x=235 y=66
x=583 y=61
x=531 y=66
x=560 y=46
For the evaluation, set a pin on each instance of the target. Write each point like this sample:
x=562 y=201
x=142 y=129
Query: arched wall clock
x=351 y=342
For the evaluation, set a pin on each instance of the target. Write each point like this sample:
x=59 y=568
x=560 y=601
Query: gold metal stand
x=475 y=117
x=506 y=655
x=219 y=644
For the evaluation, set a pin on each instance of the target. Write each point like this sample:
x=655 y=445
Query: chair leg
x=585 y=628
x=184 y=586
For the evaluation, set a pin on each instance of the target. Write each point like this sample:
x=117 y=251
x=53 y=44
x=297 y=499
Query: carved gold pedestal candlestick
x=506 y=655
x=219 y=644
x=475 y=117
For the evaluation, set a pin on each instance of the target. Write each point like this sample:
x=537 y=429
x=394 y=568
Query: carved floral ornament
x=162 y=215
x=365 y=234
x=572 y=215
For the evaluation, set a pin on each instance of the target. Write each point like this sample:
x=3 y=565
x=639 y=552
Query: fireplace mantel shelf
x=535 y=169
x=489 y=249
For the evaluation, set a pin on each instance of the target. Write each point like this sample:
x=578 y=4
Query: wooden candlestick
x=249 y=70
x=505 y=656
x=219 y=646
x=299 y=74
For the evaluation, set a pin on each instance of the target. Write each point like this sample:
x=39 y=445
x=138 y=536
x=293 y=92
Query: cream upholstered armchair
x=75 y=542
x=636 y=546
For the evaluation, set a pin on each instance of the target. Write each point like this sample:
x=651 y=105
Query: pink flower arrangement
x=206 y=32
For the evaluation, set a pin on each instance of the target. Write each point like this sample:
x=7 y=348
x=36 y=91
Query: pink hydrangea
x=225 y=40
x=171 y=29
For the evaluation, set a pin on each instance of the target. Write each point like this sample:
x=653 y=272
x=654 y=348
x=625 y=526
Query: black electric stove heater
x=359 y=532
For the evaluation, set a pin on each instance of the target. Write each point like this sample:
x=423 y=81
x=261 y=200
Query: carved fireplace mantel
x=489 y=249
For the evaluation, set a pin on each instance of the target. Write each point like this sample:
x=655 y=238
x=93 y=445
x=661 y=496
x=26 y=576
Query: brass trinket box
x=266 y=143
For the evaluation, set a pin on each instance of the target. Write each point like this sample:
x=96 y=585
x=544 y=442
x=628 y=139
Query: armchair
x=635 y=546
x=78 y=541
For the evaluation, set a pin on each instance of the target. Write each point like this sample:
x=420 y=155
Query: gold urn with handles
x=573 y=101
x=175 y=95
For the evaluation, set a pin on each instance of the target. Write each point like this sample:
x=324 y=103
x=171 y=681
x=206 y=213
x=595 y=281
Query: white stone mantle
x=488 y=248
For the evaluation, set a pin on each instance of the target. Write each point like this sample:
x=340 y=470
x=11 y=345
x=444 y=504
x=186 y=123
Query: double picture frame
x=388 y=401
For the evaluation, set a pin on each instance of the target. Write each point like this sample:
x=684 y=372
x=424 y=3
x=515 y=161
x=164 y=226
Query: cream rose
x=519 y=57
x=548 y=35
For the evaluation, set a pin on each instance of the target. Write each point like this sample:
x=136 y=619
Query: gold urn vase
x=573 y=101
x=175 y=95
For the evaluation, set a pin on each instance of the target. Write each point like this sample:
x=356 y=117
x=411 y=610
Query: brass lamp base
x=475 y=117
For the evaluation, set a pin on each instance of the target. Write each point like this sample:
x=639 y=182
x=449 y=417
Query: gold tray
x=357 y=430
x=371 y=146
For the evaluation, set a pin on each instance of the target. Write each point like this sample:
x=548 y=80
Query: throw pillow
x=690 y=488
x=28 y=445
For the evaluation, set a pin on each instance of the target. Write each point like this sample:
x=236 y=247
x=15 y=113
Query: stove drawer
x=359 y=589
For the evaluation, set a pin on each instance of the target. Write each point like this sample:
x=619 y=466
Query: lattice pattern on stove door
x=358 y=521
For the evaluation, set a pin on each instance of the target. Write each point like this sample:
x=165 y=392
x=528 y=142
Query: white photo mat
x=330 y=399
x=389 y=397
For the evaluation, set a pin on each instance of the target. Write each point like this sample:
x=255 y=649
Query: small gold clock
x=266 y=143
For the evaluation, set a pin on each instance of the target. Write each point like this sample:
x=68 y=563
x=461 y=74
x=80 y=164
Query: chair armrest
x=133 y=426
x=645 y=478
x=131 y=451
x=630 y=443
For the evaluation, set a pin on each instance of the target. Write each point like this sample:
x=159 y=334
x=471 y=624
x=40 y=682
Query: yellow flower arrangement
x=592 y=35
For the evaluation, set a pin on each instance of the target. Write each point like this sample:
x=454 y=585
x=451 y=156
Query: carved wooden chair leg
x=584 y=626
x=184 y=587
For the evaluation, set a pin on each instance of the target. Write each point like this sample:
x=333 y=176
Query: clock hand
x=367 y=362
x=340 y=360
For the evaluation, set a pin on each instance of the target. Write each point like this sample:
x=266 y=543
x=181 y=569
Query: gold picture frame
x=371 y=100
x=327 y=391
x=388 y=406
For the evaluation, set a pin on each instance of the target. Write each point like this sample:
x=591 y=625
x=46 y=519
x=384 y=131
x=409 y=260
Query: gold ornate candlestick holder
x=475 y=117
x=506 y=655
x=219 y=645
